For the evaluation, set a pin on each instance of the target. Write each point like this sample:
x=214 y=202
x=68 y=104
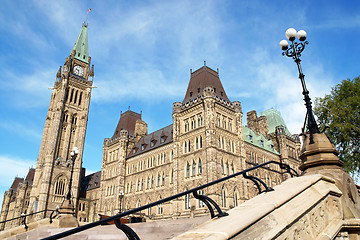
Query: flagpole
x=87 y=16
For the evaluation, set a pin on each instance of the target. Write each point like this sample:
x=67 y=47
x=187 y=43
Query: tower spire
x=81 y=45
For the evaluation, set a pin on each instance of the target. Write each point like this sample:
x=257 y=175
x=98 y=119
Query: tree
x=340 y=111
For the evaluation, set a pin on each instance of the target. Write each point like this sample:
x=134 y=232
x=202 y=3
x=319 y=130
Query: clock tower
x=65 y=128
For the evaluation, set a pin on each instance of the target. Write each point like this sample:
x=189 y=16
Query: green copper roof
x=274 y=119
x=259 y=141
x=81 y=45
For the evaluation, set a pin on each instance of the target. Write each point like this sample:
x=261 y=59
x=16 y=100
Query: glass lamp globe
x=284 y=44
x=301 y=35
x=290 y=34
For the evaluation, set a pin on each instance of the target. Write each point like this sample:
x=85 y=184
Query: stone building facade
x=206 y=141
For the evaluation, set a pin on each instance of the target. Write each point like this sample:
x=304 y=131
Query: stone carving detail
x=311 y=225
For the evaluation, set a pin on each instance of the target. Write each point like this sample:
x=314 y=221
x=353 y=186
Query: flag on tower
x=89 y=10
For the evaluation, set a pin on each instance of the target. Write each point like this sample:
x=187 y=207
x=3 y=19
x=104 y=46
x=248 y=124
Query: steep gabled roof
x=90 y=182
x=258 y=140
x=30 y=176
x=202 y=78
x=127 y=121
x=153 y=140
x=274 y=119
x=16 y=183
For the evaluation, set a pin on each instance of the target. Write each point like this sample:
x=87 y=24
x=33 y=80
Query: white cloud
x=21 y=130
x=12 y=167
x=29 y=90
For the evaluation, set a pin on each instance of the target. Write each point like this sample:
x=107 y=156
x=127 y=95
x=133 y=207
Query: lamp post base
x=67 y=218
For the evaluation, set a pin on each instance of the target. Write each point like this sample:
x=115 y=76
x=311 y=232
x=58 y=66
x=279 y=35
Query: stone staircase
x=155 y=230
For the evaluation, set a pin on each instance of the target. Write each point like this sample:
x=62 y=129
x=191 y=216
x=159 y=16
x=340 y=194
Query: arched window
x=189 y=143
x=232 y=168
x=185 y=147
x=200 y=167
x=160 y=207
x=148 y=183
x=219 y=142
x=158 y=182
x=194 y=168
x=197 y=143
x=235 y=199
x=60 y=188
x=172 y=155
x=163 y=179
x=187 y=169
x=200 y=141
x=227 y=168
x=152 y=181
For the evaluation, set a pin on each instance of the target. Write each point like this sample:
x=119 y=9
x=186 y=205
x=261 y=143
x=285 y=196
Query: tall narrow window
x=187 y=169
x=172 y=176
x=71 y=95
x=197 y=143
x=235 y=200
x=158 y=182
x=200 y=166
x=80 y=98
x=223 y=198
x=185 y=147
x=187 y=201
x=189 y=143
x=163 y=179
x=194 y=168
x=200 y=141
x=75 y=97
x=222 y=166
x=201 y=203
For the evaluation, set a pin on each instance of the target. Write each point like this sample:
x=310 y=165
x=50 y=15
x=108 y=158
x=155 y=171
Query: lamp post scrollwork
x=294 y=51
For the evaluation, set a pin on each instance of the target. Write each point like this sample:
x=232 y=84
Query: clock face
x=78 y=70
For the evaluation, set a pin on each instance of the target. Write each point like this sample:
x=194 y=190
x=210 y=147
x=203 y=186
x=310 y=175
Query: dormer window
x=250 y=138
x=262 y=143
x=221 y=93
x=190 y=94
x=134 y=150
x=142 y=146
x=152 y=143
x=162 y=139
x=198 y=90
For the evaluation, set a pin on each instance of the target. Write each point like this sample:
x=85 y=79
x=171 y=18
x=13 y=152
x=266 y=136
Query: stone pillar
x=320 y=157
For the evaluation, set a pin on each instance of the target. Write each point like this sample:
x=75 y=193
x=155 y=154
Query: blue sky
x=143 y=52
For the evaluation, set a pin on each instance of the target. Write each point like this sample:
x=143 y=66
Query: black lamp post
x=294 y=51
x=121 y=196
x=74 y=154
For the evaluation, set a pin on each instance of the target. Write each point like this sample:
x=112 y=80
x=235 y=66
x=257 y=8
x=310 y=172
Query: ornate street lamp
x=73 y=154
x=294 y=51
x=121 y=196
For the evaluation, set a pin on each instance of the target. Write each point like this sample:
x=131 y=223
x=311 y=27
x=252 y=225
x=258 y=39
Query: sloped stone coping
x=270 y=215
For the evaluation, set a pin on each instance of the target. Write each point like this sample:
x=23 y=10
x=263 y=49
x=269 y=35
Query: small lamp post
x=74 y=154
x=294 y=51
x=121 y=196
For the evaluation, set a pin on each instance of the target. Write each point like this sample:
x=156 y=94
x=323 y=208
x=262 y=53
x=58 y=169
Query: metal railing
x=208 y=202
x=23 y=217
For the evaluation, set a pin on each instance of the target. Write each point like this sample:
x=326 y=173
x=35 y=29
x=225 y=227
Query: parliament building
x=207 y=140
